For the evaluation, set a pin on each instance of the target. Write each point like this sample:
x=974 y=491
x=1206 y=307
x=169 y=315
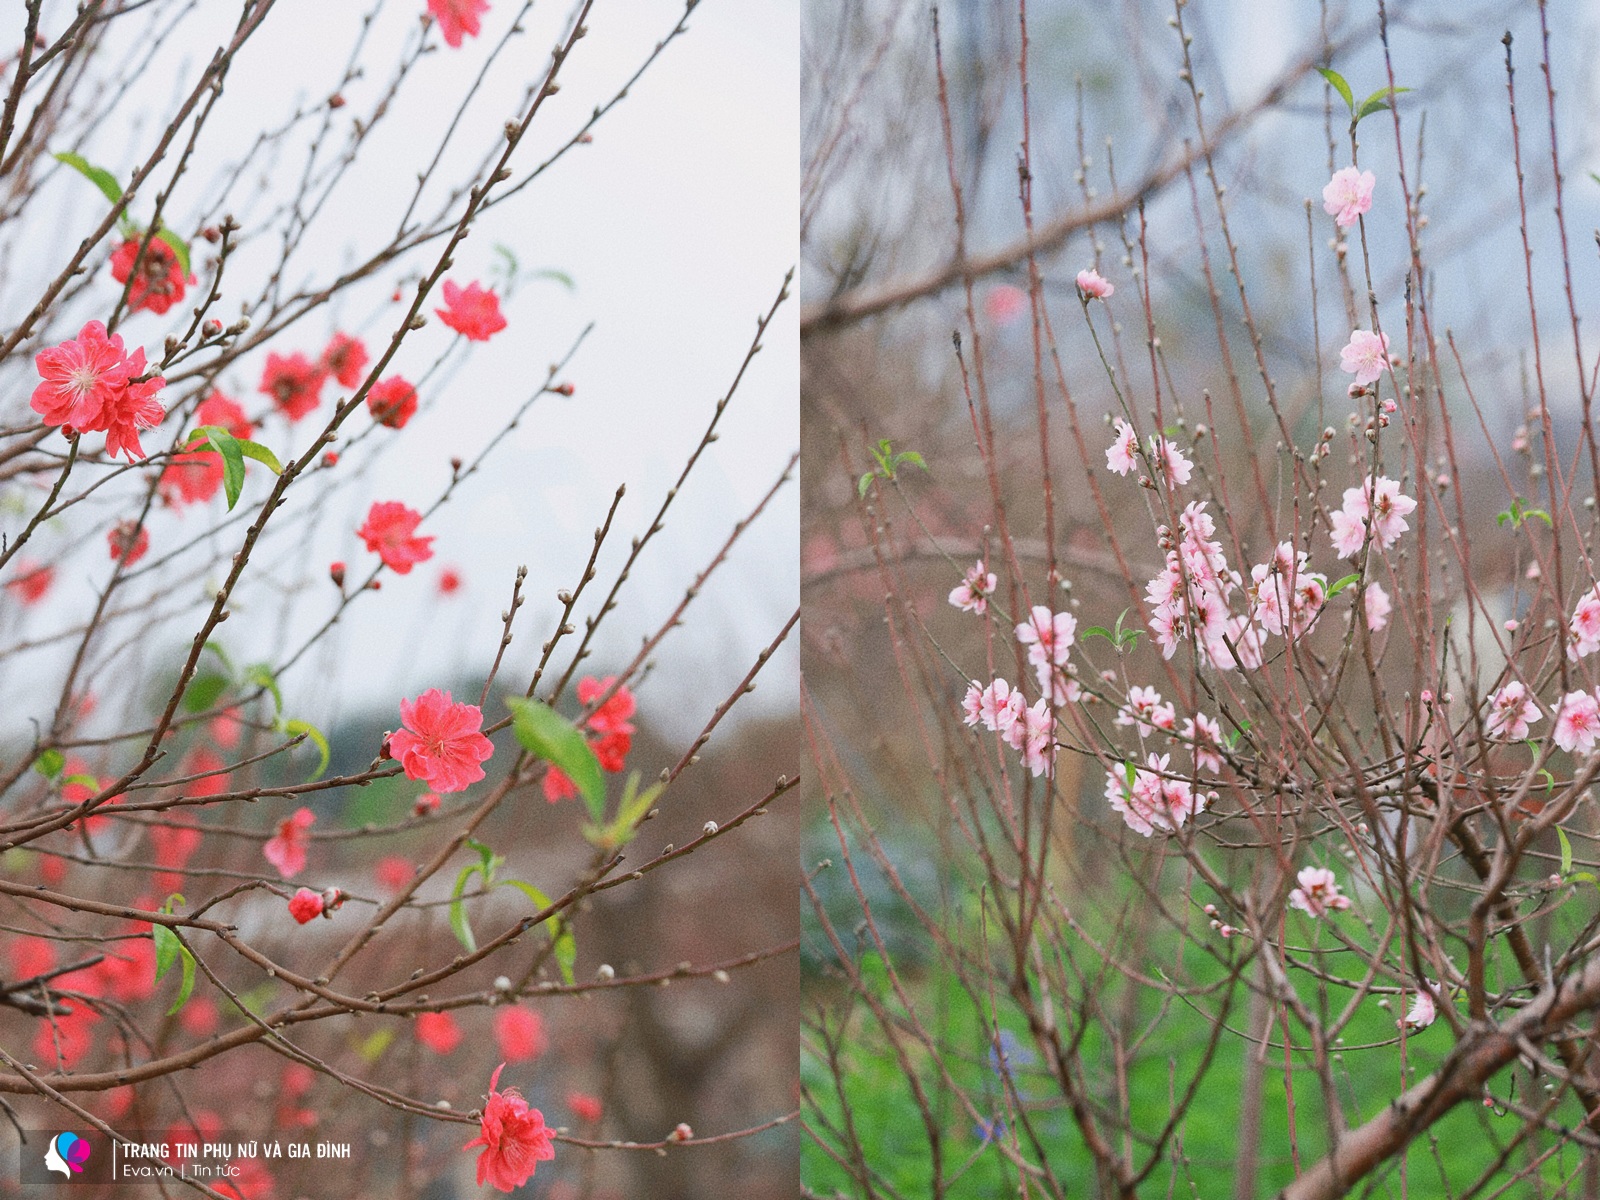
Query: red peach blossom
x=31 y=956
x=441 y=741
x=133 y=408
x=472 y=312
x=31 y=582
x=449 y=581
x=159 y=283
x=393 y=872
x=585 y=1107
x=294 y=383
x=458 y=17
x=80 y=377
x=519 y=1032
x=68 y=1036
x=176 y=841
x=392 y=402
x=558 y=785
x=513 y=1136
x=305 y=904
x=345 y=359
x=426 y=803
x=129 y=542
x=390 y=532
x=199 y=1016
x=438 y=1031
x=287 y=850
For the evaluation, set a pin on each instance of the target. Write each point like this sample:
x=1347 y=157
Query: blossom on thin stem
x=286 y=850
x=973 y=592
x=1093 y=286
x=1122 y=455
x=1578 y=722
x=1511 y=711
x=471 y=311
x=441 y=741
x=1366 y=356
x=160 y=282
x=457 y=19
x=390 y=532
x=1318 y=893
x=1348 y=195
x=513 y=1136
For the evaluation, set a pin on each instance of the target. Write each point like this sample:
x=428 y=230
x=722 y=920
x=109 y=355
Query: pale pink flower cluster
x=1048 y=637
x=1026 y=729
x=1191 y=593
x=973 y=592
x=1583 y=631
x=1379 y=503
x=1154 y=799
x=1093 y=285
x=1204 y=735
x=1366 y=356
x=1348 y=195
x=1578 y=722
x=1511 y=711
x=1318 y=892
x=1145 y=708
x=1122 y=455
x=1289 y=595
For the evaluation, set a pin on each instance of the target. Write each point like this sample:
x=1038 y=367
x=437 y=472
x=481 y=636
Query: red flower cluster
x=159 y=284
x=92 y=385
x=609 y=729
x=519 y=1032
x=471 y=311
x=390 y=533
x=438 y=1031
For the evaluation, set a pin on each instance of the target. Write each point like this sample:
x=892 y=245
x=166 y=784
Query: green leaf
x=487 y=857
x=187 y=986
x=88 y=781
x=1336 y=81
x=222 y=655
x=99 y=176
x=861 y=488
x=204 y=690
x=1341 y=584
x=459 y=925
x=261 y=454
x=179 y=248
x=224 y=443
x=1566 y=852
x=317 y=739
x=909 y=456
x=49 y=763
x=566 y=946
x=1095 y=631
x=168 y=948
x=261 y=675
x=1379 y=101
x=1131 y=773
x=374 y=1044
x=551 y=273
x=546 y=734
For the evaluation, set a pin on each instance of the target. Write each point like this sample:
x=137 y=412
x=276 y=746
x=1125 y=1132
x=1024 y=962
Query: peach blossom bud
x=680 y=1133
x=211 y=233
x=563 y=389
x=331 y=459
x=336 y=101
x=332 y=898
x=211 y=328
x=336 y=573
